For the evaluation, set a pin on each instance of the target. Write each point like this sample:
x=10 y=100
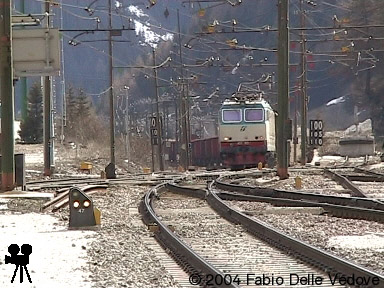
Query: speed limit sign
x=316 y=132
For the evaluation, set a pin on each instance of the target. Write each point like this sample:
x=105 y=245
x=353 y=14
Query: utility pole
x=188 y=122
x=111 y=172
x=23 y=80
x=126 y=123
x=304 y=97
x=283 y=90
x=183 y=112
x=295 y=138
x=177 y=128
x=7 y=98
x=152 y=146
x=64 y=104
x=48 y=123
x=158 y=120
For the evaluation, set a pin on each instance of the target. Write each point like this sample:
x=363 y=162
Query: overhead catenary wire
x=225 y=44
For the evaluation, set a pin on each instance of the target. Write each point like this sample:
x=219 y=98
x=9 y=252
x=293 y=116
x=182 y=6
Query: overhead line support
x=112 y=165
x=283 y=90
x=7 y=98
x=304 y=97
x=48 y=121
x=158 y=120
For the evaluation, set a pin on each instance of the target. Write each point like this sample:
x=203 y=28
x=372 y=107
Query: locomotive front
x=246 y=133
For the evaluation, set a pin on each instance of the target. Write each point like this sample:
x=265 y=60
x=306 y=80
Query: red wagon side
x=206 y=152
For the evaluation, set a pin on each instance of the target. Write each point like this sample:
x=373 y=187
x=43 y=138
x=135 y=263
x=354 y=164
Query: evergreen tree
x=79 y=115
x=71 y=112
x=83 y=106
x=31 y=130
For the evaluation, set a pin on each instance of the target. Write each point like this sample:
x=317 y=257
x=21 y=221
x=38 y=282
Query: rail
x=185 y=255
x=306 y=252
x=296 y=195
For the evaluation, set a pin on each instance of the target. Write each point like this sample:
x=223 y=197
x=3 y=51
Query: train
x=246 y=136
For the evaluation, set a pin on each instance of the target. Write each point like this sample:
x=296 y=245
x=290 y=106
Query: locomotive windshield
x=231 y=115
x=254 y=115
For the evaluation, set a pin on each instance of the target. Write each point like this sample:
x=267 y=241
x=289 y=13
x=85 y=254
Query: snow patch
x=118 y=4
x=137 y=11
x=16 y=129
x=362 y=128
x=326 y=159
x=3 y=204
x=336 y=101
x=371 y=241
x=57 y=259
x=151 y=38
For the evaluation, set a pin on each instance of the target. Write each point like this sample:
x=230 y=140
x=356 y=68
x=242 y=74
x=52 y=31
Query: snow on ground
x=326 y=159
x=58 y=255
x=377 y=166
x=370 y=241
x=363 y=128
x=16 y=129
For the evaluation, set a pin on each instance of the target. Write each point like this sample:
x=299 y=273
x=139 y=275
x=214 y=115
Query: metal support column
x=283 y=90
x=304 y=97
x=127 y=124
x=7 y=98
x=112 y=164
x=159 y=128
x=183 y=133
x=23 y=80
x=63 y=89
x=48 y=123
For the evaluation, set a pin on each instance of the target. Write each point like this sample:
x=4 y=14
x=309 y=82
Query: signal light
x=82 y=214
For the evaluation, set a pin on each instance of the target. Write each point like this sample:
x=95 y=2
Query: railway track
x=62 y=199
x=189 y=258
x=73 y=181
x=343 y=207
x=361 y=182
x=357 y=202
x=90 y=185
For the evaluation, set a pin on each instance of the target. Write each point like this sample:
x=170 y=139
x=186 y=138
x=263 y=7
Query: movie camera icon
x=19 y=260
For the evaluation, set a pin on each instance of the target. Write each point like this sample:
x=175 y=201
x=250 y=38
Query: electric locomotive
x=246 y=132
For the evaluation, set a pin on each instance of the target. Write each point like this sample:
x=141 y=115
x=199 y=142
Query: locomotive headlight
x=86 y=203
x=226 y=138
x=76 y=204
x=261 y=137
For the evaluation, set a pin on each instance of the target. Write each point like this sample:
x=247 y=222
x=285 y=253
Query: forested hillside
x=224 y=43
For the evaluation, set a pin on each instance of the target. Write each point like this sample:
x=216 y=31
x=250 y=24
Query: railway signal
x=81 y=210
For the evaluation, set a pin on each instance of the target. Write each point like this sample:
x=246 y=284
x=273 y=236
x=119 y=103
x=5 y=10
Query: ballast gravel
x=356 y=240
x=311 y=181
x=119 y=257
